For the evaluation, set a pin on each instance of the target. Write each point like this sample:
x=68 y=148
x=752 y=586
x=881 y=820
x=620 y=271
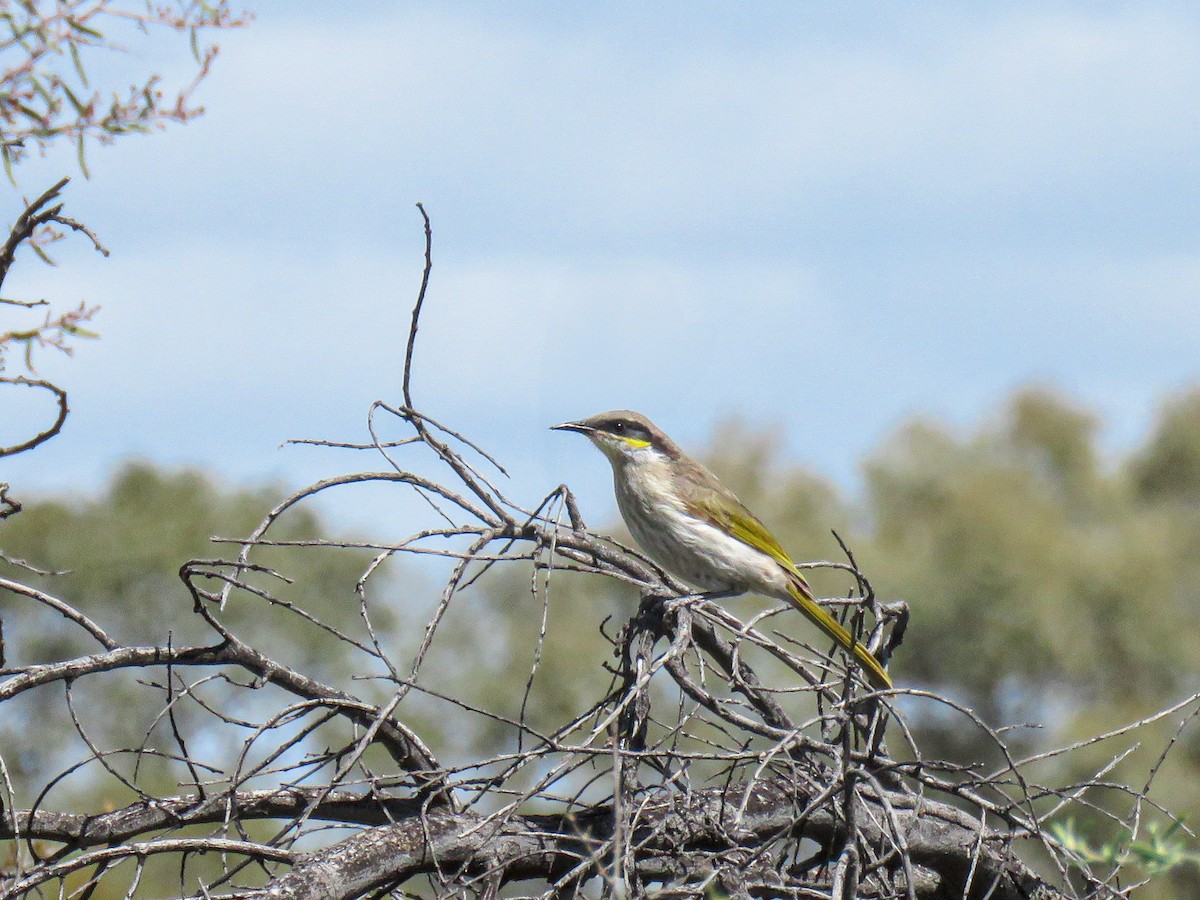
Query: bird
x=698 y=530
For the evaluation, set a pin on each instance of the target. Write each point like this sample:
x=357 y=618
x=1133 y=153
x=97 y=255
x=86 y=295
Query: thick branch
x=939 y=838
x=88 y=830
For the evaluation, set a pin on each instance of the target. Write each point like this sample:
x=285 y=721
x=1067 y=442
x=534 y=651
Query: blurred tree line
x=1048 y=584
x=116 y=557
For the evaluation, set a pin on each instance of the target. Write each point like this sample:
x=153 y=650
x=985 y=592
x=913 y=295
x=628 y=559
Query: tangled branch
x=723 y=755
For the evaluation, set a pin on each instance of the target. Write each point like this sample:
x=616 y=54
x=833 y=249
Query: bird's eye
x=618 y=427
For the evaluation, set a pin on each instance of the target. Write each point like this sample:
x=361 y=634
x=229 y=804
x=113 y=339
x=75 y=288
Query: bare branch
x=715 y=753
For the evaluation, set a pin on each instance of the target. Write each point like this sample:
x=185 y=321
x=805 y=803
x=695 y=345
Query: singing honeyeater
x=695 y=528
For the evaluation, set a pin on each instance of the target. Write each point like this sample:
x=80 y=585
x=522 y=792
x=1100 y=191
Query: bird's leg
x=687 y=600
x=722 y=595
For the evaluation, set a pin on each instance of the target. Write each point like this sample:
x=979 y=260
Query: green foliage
x=56 y=332
x=1161 y=851
x=1048 y=582
x=116 y=558
x=1054 y=576
x=499 y=629
x=47 y=98
x=1167 y=469
x=119 y=556
x=46 y=95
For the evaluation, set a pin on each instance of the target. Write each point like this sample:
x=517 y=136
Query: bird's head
x=624 y=436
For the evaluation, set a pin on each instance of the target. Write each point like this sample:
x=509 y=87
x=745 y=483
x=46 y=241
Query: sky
x=824 y=218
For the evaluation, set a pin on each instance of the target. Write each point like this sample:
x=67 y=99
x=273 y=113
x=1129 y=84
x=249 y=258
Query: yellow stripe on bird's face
x=635 y=443
x=617 y=447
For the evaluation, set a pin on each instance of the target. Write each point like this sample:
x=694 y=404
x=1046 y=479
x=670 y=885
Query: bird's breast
x=687 y=546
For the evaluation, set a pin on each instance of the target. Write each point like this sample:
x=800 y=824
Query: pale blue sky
x=826 y=217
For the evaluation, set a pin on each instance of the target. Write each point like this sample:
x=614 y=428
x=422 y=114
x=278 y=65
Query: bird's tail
x=802 y=598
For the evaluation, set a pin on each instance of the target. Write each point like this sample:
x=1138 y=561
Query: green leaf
x=1155 y=856
x=41 y=90
x=78 y=331
x=84 y=29
x=80 y=144
x=43 y=255
x=78 y=63
x=31 y=113
x=79 y=108
x=6 y=153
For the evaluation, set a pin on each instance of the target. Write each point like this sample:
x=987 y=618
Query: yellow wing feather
x=803 y=601
x=733 y=518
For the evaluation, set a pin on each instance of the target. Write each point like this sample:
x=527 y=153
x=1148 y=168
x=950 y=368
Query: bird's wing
x=724 y=510
x=719 y=506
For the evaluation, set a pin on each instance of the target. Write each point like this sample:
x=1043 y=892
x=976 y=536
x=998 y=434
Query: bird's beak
x=573 y=426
